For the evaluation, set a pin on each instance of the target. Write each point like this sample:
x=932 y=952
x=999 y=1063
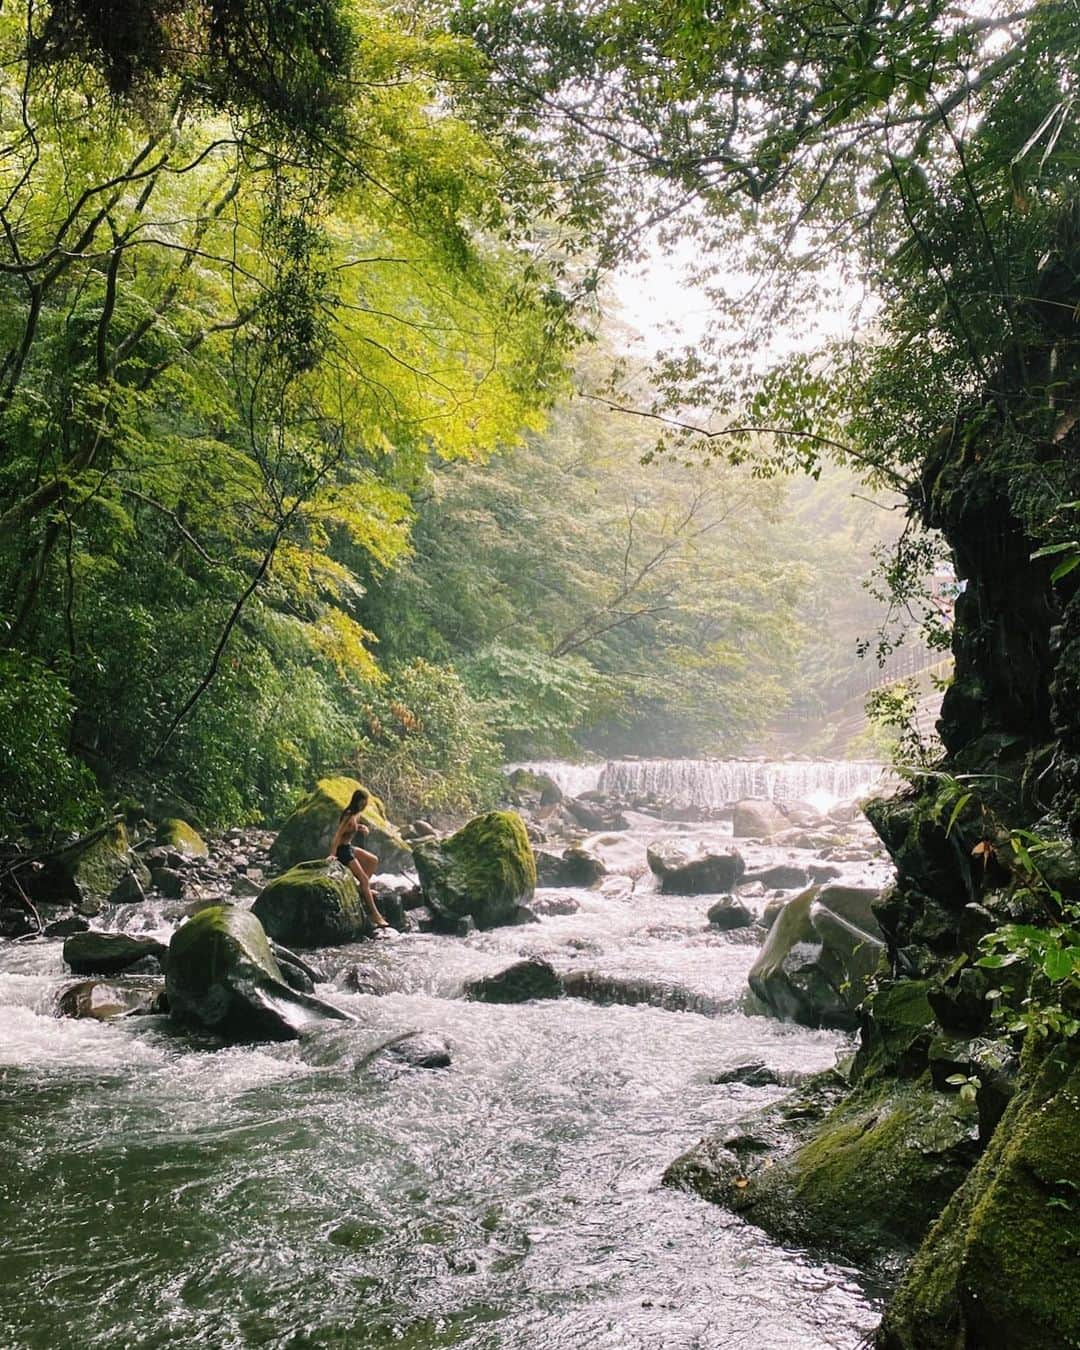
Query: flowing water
x=159 y=1189
x=717 y=782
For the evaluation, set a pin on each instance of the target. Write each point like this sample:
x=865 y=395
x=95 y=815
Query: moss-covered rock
x=897 y=1025
x=314 y=904
x=97 y=869
x=864 y=1184
x=1000 y=1270
x=181 y=838
x=221 y=975
x=484 y=872
x=309 y=831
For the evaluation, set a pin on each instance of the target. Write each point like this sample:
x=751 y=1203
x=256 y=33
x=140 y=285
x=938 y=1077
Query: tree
x=218 y=328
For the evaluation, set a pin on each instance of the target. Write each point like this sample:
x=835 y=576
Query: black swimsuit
x=345 y=852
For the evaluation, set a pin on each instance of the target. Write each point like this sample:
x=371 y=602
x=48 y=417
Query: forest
x=394 y=394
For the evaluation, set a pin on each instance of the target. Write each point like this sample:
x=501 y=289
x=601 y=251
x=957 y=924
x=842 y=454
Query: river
x=158 y=1189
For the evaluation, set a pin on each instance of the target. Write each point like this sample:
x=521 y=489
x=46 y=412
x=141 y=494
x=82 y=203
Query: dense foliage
x=228 y=346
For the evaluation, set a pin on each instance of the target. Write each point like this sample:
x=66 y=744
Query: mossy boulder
x=1000 y=1270
x=314 y=904
x=178 y=835
x=97 y=869
x=485 y=871
x=864 y=1184
x=221 y=975
x=897 y=1025
x=309 y=831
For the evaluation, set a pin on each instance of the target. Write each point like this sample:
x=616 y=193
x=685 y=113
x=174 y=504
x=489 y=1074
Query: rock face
x=221 y=975
x=181 y=838
x=818 y=958
x=484 y=872
x=758 y=819
x=688 y=868
x=109 y=953
x=517 y=984
x=314 y=904
x=1000 y=1270
x=309 y=831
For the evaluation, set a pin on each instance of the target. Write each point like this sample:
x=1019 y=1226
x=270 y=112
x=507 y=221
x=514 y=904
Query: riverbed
x=159 y=1189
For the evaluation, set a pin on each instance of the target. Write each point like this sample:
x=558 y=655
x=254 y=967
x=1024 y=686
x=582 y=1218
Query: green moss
x=212 y=943
x=93 y=870
x=484 y=871
x=865 y=1183
x=897 y=1022
x=314 y=904
x=1001 y=1267
x=178 y=834
x=309 y=831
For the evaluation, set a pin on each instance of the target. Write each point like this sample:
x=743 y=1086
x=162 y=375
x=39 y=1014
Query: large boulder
x=314 y=904
x=222 y=975
x=484 y=872
x=177 y=835
x=686 y=867
x=758 y=819
x=109 y=953
x=309 y=831
x=863 y=1181
x=816 y=962
x=95 y=870
x=1001 y=1268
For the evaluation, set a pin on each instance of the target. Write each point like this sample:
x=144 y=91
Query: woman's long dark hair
x=357 y=803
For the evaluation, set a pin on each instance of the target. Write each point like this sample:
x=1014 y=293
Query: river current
x=159 y=1189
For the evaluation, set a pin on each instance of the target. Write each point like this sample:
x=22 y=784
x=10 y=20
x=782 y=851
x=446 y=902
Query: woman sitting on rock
x=359 y=861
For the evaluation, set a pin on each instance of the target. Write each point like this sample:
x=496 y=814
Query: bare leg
x=365 y=890
x=367 y=861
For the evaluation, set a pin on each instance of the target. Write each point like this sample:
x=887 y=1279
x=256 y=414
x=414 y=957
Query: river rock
x=531 y=790
x=576 y=867
x=314 y=904
x=861 y=1182
x=62 y=928
x=178 y=835
x=104 y=1002
x=518 y=983
x=780 y=877
x=758 y=819
x=688 y=868
x=412 y=1050
x=88 y=873
x=95 y=953
x=596 y=986
x=547 y=905
x=595 y=815
x=309 y=831
x=729 y=913
x=818 y=957
x=484 y=872
x=222 y=975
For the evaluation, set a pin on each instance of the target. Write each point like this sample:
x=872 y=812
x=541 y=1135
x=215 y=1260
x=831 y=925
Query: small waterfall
x=718 y=782
x=571 y=779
